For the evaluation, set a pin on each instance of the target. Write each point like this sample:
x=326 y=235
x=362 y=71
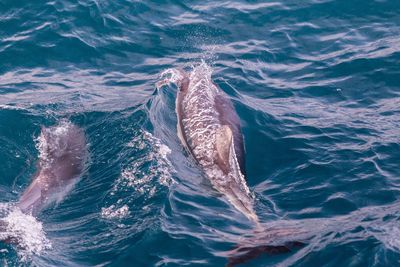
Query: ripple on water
x=315 y=83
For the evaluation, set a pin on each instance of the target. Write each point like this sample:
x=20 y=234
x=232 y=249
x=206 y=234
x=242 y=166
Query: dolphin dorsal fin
x=223 y=144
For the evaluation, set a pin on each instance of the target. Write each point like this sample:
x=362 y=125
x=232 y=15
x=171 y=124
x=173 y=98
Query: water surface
x=315 y=83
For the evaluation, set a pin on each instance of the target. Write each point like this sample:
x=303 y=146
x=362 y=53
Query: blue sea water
x=315 y=84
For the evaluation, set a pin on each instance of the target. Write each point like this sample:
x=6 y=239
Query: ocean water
x=315 y=84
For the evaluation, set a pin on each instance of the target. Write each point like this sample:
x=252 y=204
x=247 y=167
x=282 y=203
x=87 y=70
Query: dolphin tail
x=267 y=241
x=243 y=254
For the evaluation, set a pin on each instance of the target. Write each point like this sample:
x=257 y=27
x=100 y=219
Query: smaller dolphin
x=62 y=156
x=62 y=160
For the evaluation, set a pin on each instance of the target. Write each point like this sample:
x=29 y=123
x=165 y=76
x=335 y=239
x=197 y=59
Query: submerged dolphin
x=62 y=160
x=209 y=128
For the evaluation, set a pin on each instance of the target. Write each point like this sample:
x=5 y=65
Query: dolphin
x=209 y=129
x=62 y=157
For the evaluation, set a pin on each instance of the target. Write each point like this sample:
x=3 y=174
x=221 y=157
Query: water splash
x=143 y=176
x=201 y=69
x=10 y=107
x=25 y=231
x=114 y=212
x=170 y=76
x=55 y=136
x=160 y=167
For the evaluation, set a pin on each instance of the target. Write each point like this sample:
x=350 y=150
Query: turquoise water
x=315 y=83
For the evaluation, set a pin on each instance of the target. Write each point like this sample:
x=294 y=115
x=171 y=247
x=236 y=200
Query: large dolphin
x=209 y=128
x=62 y=156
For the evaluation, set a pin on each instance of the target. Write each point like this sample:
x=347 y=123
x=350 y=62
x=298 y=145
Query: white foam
x=164 y=151
x=114 y=212
x=5 y=208
x=62 y=128
x=170 y=76
x=160 y=166
x=10 y=107
x=26 y=232
x=42 y=147
x=144 y=174
x=202 y=120
x=57 y=133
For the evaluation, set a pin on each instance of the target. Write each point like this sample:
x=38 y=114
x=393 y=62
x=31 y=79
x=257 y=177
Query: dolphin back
x=63 y=151
x=62 y=156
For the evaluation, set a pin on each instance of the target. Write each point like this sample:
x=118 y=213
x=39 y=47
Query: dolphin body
x=209 y=128
x=62 y=159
